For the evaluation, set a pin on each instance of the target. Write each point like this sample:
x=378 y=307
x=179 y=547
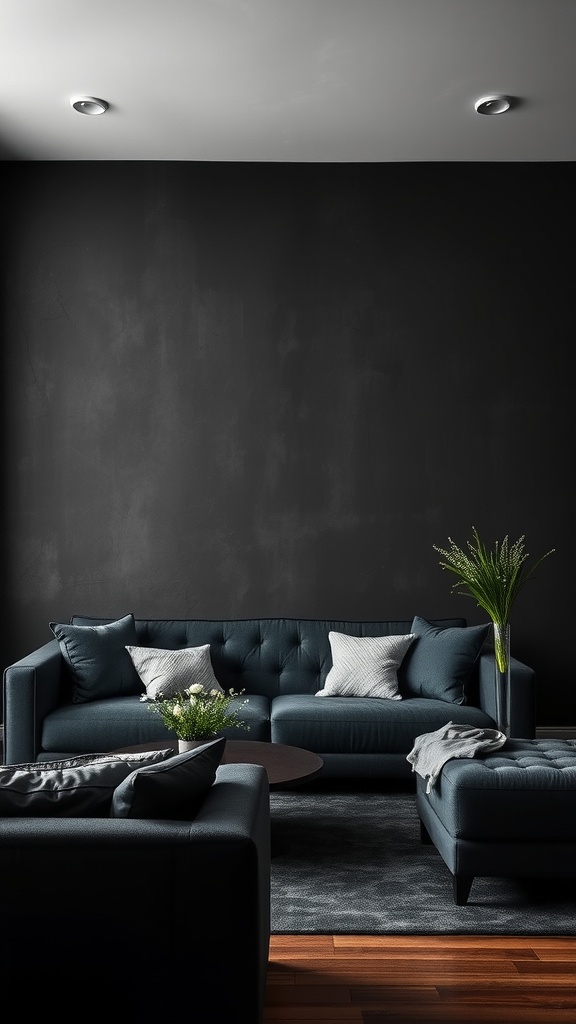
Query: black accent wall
x=236 y=390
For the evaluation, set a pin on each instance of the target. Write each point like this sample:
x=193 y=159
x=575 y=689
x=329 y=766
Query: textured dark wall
x=250 y=390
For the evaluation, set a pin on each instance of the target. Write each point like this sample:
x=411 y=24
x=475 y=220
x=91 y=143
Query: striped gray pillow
x=365 y=666
x=171 y=672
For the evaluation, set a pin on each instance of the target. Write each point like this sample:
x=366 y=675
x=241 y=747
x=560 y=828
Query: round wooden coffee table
x=283 y=764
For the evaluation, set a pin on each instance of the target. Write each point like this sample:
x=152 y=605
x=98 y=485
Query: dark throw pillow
x=77 y=787
x=441 y=661
x=174 y=789
x=99 y=663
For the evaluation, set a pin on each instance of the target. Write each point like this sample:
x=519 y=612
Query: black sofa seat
x=124 y=721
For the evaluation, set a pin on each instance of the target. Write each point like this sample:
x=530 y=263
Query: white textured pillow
x=170 y=672
x=365 y=666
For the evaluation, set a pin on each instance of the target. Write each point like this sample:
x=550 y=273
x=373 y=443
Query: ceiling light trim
x=495 y=104
x=89 y=105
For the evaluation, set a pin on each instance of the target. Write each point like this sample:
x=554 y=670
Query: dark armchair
x=151 y=918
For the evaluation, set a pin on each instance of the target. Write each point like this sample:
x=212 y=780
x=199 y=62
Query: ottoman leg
x=462 y=885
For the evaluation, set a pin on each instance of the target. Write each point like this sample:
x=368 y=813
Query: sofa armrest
x=522 y=694
x=176 y=913
x=32 y=687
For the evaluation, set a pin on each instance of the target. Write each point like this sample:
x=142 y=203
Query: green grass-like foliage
x=493 y=577
x=197 y=714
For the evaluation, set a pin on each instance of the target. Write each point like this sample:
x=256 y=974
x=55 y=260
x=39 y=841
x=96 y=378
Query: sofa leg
x=462 y=885
x=424 y=834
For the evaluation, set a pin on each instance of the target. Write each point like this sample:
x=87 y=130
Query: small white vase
x=184 y=745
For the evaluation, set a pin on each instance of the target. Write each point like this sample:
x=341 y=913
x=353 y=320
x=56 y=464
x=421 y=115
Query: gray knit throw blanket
x=431 y=750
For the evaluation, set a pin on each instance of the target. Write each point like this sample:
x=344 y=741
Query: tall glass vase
x=502 y=675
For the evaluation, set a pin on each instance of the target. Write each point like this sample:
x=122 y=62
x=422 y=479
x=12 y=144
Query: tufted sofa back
x=263 y=656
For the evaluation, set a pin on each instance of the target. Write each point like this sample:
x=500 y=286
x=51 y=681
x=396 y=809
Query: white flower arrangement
x=196 y=713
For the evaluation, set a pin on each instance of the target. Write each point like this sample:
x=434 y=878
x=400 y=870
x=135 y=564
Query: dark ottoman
x=509 y=813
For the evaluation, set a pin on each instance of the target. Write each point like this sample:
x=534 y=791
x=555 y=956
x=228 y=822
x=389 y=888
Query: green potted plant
x=494 y=579
x=197 y=715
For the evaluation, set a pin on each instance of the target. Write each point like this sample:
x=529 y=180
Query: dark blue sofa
x=280 y=663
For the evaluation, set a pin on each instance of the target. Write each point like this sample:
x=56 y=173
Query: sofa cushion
x=441 y=662
x=97 y=659
x=76 y=787
x=173 y=789
x=120 y=722
x=365 y=666
x=171 y=672
x=363 y=725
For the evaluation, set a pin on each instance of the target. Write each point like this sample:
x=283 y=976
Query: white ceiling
x=288 y=80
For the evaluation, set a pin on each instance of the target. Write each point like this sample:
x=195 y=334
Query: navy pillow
x=76 y=787
x=441 y=661
x=97 y=658
x=174 y=789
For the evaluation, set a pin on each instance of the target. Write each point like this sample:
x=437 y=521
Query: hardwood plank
x=400 y=971
x=557 y=953
x=546 y=968
x=461 y=941
x=285 y=977
x=563 y=996
x=311 y=943
x=471 y=1015
x=485 y=952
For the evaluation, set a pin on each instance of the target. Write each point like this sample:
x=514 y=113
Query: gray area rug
x=350 y=862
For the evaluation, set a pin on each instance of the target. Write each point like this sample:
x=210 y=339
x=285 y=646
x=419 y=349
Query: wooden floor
x=440 y=979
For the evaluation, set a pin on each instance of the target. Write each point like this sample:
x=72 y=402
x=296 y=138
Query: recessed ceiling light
x=89 y=105
x=492 y=105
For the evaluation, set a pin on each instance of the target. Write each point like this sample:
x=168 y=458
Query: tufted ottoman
x=508 y=813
